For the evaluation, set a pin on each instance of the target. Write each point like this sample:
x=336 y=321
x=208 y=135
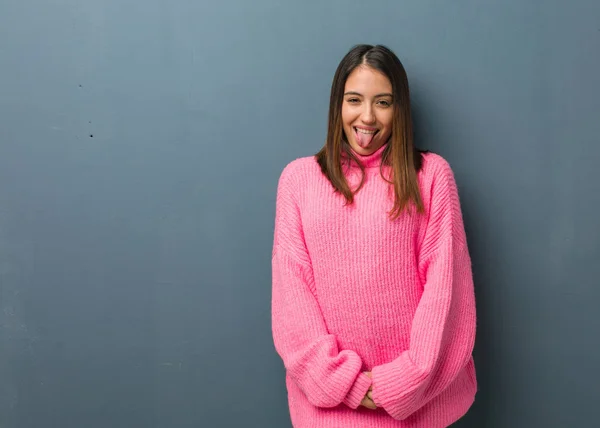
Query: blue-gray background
x=140 y=146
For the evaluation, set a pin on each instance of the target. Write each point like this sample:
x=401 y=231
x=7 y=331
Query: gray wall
x=140 y=146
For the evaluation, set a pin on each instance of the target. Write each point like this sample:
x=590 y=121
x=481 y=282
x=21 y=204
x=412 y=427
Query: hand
x=367 y=401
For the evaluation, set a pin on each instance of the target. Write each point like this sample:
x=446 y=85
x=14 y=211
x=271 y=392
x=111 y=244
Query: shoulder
x=436 y=179
x=434 y=165
x=435 y=171
x=298 y=171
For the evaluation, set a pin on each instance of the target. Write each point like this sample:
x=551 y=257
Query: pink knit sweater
x=354 y=291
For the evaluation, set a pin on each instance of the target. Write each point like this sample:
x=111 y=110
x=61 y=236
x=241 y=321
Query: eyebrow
x=376 y=96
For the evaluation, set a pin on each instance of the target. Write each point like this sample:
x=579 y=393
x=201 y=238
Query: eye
x=384 y=103
x=352 y=100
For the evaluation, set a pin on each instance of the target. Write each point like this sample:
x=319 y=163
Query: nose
x=368 y=115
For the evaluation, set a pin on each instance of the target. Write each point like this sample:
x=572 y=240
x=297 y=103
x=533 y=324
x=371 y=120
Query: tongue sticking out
x=364 y=139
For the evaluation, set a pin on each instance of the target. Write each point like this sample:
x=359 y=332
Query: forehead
x=365 y=79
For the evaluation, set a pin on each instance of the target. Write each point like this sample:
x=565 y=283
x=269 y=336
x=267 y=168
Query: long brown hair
x=400 y=153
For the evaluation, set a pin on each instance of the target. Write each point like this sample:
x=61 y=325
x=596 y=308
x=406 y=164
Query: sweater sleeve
x=443 y=327
x=326 y=375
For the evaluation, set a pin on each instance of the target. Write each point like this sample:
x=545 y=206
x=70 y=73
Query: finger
x=368 y=404
x=371 y=405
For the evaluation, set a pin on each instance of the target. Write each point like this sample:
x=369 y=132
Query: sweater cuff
x=358 y=391
x=394 y=385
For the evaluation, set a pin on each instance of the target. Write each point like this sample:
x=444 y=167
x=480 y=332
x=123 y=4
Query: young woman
x=373 y=307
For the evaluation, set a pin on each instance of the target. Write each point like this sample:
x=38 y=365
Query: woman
x=373 y=306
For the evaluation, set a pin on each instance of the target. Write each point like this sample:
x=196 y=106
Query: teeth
x=364 y=131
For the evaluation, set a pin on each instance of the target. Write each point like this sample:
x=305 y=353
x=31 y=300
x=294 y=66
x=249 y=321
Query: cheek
x=346 y=116
x=346 y=121
x=386 y=120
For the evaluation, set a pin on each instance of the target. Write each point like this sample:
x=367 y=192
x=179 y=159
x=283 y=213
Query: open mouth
x=365 y=136
x=366 y=131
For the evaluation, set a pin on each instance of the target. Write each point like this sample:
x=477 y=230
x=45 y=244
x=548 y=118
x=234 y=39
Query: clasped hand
x=367 y=400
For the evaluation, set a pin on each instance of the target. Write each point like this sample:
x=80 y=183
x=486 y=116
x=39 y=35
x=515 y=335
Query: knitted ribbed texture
x=354 y=291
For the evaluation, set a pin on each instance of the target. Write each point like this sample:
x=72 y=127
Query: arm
x=443 y=328
x=310 y=354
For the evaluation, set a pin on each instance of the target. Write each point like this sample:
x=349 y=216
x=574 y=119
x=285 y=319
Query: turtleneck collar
x=370 y=161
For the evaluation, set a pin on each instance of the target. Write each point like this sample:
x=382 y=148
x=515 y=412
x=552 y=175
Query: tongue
x=364 y=139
